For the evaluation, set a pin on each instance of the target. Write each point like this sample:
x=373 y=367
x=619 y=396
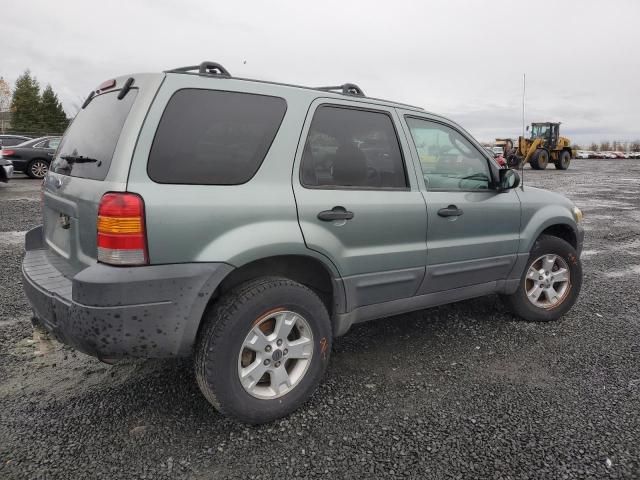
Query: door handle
x=336 y=213
x=450 y=211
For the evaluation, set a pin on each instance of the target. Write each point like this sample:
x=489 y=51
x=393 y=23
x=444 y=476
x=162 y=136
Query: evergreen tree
x=25 y=104
x=52 y=116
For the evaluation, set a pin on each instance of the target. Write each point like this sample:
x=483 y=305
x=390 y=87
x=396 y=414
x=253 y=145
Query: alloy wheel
x=39 y=169
x=548 y=281
x=275 y=354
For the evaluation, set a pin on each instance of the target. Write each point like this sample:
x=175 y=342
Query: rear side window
x=211 y=137
x=348 y=147
x=88 y=145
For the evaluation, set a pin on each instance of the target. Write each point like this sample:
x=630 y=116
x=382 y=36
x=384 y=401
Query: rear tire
x=544 y=308
x=243 y=368
x=540 y=159
x=37 y=168
x=564 y=159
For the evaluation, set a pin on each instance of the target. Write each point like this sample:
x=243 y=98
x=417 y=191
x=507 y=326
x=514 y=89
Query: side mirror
x=508 y=179
x=527 y=128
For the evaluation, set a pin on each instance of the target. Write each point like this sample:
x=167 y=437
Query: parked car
x=582 y=154
x=33 y=156
x=498 y=151
x=11 y=140
x=283 y=216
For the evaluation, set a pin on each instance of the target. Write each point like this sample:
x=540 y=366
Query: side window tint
x=352 y=148
x=212 y=137
x=54 y=142
x=448 y=160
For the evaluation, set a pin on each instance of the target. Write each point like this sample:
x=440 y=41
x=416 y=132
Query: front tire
x=263 y=349
x=551 y=282
x=540 y=159
x=37 y=168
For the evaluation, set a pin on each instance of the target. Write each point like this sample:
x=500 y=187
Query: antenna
x=524 y=86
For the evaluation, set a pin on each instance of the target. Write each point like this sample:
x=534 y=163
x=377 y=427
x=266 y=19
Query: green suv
x=248 y=223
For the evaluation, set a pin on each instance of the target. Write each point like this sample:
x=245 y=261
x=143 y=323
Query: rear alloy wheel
x=37 y=168
x=540 y=159
x=551 y=283
x=564 y=159
x=263 y=349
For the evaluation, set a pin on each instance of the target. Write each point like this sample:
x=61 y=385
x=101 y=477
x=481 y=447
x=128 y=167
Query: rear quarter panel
x=235 y=224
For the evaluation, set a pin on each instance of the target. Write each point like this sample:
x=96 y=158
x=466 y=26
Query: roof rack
x=205 y=68
x=346 y=89
x=214 y=69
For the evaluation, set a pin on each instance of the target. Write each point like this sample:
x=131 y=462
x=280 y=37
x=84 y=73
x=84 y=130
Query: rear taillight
x=7 y=152
x=121 y=234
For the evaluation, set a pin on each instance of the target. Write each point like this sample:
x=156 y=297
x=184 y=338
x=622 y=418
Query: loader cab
x=548 y=131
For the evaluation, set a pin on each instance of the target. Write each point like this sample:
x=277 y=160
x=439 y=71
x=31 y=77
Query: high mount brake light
x=122 y=238
x=106 y=85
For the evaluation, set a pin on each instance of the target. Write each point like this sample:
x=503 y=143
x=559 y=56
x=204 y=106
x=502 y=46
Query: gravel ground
x=460 y=391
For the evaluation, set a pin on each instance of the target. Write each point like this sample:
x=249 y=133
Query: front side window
x=354 y=148
x=448 y=160
x=212 y=137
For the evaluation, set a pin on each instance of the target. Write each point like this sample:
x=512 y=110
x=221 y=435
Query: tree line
x=32 y=111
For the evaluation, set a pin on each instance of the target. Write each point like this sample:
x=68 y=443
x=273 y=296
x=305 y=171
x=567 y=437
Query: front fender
x=537 y=222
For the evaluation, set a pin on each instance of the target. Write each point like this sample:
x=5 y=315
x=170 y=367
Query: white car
x=582 y=154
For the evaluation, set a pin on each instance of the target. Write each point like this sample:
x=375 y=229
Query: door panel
x=478 y=246
x=350 y=164
x=472 y=231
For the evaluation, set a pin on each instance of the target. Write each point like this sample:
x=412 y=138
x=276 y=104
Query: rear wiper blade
x=78 y=159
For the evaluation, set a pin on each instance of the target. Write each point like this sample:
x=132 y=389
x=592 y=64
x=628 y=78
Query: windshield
x=88 y=145
x=539 y=130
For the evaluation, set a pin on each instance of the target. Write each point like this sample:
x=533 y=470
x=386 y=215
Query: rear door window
x=88 y=145
x=352 y=148
x=211 y=137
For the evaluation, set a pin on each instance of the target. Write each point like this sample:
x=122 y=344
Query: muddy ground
x=460 y=391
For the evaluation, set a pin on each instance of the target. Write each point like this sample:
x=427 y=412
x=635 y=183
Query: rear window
x=88 y=145
x=210 y=137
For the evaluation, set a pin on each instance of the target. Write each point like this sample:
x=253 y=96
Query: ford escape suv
x=248 y=223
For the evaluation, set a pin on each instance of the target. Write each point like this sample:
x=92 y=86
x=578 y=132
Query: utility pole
x=524 y=85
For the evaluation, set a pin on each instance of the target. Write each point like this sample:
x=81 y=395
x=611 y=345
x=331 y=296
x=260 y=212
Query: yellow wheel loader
x=545 y=145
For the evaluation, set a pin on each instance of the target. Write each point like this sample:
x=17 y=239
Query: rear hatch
x=93 y=158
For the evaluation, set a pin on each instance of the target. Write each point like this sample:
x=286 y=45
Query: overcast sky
x=463 y=59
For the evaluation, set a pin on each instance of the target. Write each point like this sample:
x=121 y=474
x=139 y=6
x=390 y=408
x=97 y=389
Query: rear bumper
x=7 y=173
x=115 y=312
